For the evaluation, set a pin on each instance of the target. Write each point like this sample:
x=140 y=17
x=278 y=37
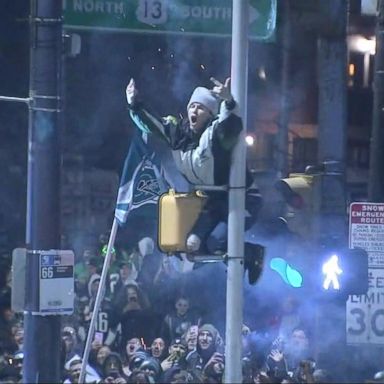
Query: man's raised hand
x=222 y=91
x=131 y=92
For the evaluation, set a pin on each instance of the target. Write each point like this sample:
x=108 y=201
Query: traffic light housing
x=301 y=192
x=178 y=212
x=342 y=273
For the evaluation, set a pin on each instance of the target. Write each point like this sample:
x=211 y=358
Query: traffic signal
x=302 y=194
x=253 y=261
x=178 y=213
x=342 y=273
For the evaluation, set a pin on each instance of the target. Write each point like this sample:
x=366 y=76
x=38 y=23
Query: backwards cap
x=205 y=97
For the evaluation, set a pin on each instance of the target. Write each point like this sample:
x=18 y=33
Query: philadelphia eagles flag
x=141 y=184
x=141 y=181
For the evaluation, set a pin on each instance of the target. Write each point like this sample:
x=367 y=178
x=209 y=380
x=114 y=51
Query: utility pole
x=330 y=232
x=332 y=70
x=234 y=302
x=42 y=342
x=376 y=176
x=281 y=152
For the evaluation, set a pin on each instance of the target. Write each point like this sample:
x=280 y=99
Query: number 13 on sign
x=152 y=11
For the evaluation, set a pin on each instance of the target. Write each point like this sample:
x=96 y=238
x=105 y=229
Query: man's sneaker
x=253 y=261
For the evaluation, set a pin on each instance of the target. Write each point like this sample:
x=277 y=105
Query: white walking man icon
x=332 y=270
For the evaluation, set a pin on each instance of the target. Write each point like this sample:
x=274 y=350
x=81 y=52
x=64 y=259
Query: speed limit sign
x=365 y=313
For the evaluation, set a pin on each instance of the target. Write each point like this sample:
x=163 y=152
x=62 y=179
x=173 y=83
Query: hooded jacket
x=197 y=359
x=203 y=157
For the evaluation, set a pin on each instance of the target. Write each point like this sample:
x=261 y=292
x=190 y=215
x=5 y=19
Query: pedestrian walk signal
x=344 y=272
x=331 y=271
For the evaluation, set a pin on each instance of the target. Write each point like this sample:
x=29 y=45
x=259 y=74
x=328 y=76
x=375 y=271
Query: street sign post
x=365 y=313
x=185 y=17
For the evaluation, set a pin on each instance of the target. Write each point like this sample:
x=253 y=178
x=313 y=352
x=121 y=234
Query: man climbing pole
x=201 y=146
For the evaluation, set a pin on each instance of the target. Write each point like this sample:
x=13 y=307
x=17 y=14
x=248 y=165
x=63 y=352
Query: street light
x=250 y=140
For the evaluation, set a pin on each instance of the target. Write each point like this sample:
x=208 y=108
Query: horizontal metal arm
x=26 y=100
x=211 y=187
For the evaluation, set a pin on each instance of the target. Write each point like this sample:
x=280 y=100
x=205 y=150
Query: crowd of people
x=161 y=320
x=150 y=329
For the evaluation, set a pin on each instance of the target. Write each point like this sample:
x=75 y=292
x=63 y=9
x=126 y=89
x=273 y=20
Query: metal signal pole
x=376 y=176
x=234 y=305
x=42 y=343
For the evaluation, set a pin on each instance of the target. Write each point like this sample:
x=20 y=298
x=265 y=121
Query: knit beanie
x=211 y=329
x=205 y=97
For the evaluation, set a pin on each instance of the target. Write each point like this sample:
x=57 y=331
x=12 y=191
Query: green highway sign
x=189 y=17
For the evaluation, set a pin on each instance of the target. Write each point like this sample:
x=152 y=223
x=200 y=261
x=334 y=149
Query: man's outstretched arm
x=146 y=121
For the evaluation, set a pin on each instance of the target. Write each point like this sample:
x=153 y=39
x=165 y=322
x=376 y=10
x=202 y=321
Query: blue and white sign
x=56 y=290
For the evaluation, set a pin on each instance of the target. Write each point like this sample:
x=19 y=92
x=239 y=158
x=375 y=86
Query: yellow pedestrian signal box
x=178 y=212
x=302 y=193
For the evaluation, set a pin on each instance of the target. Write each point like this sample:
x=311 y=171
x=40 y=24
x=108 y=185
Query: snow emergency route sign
x=365 y=313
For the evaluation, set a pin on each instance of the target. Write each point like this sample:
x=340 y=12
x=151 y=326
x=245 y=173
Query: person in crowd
x=74 y=369
x=165 y=281
x=276 y=365
x=289 y=317
x=18 y=334
x=179 y=375
x=214 y=369
x=9 y=374
x=82 y=271
x=127 y=275
x=114 y=264
x=133 y=356
x=113 y=369
x=208 y=359
x=140 y=377
x=134 y=256
x=177 y=350
x=150 y=264
x=136 y=317
x=324 y=376
x=71 y=344
x=151 y=367
x=176 y=323
x=158 y=349
x=16 y=362
x=202 y=147
x=103 y=326
x=94 y=268
x=191 y=337
x=97 y=356
x=7 y=341
x=76 y=319
x=297 y=348
x=132 y=346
